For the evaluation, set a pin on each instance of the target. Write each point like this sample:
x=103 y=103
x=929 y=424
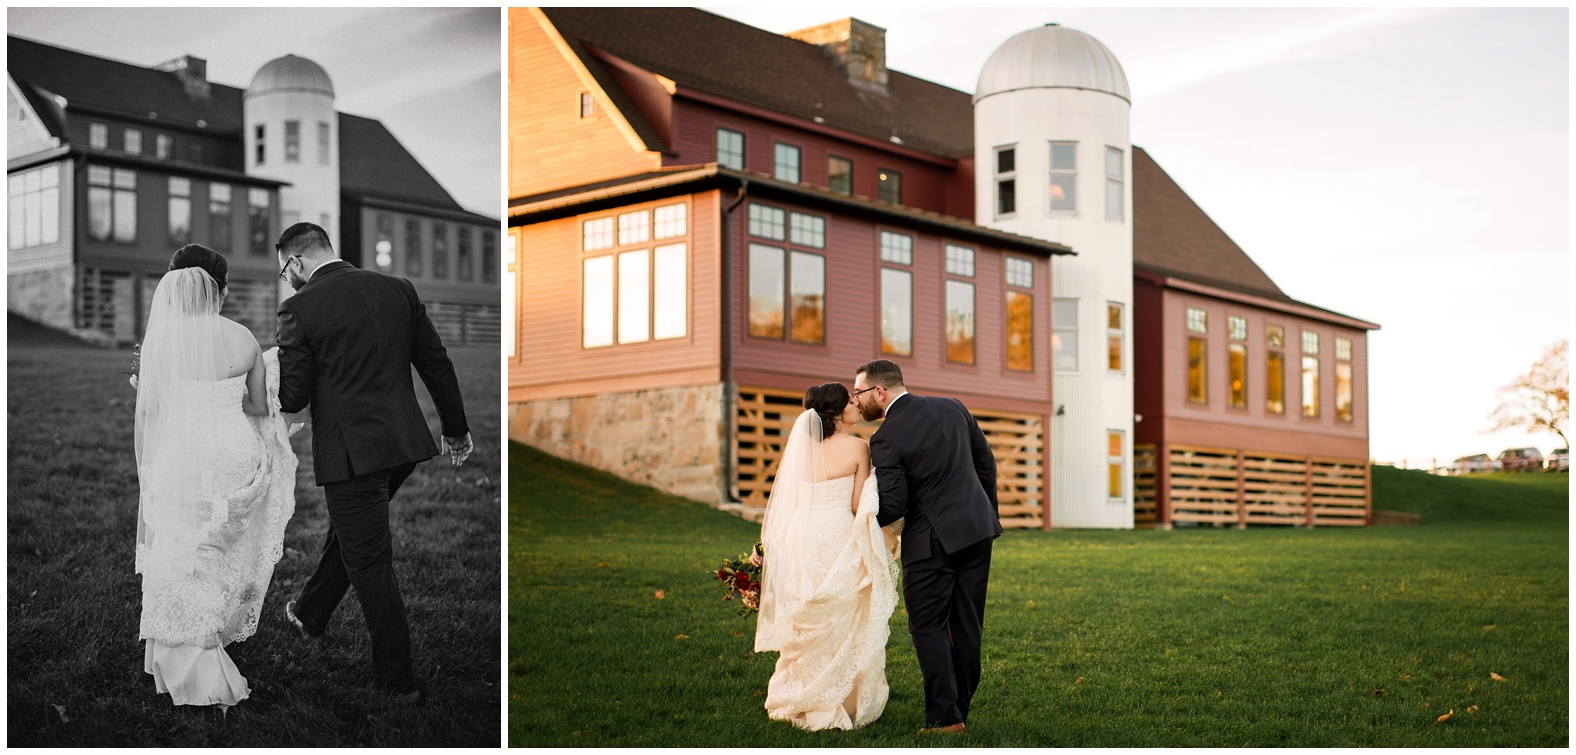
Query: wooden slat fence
x=766 y=415
x=1232 y=487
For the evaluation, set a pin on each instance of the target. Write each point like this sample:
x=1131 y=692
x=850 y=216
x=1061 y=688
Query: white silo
x=292 y=134
x=1053 y=162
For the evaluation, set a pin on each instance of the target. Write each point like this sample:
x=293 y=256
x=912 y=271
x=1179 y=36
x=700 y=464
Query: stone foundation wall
x=669 y=438
x=43 y=296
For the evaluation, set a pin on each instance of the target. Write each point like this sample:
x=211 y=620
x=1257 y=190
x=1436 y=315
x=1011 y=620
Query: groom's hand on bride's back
x=458 y=449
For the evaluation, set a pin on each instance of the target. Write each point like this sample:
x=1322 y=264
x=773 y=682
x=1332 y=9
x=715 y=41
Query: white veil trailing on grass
x=785 y=581
x=215 y=490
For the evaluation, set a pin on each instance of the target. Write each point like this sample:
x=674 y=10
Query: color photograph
x=1037 y=377
x=254 y=321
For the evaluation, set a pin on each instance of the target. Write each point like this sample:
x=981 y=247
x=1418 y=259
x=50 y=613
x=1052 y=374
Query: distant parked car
x=1521 y=460
x=1559 y=460
x=1476 y=464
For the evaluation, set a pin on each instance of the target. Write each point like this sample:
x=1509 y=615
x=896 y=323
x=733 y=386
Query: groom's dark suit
x=347 y=341
x=935 y=470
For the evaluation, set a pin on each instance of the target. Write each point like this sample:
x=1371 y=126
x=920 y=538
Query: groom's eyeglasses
x=286 y=269
x=867 y=390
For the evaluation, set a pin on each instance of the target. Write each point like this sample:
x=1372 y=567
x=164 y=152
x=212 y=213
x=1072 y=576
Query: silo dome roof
x=1052 y=57
x=291 y=73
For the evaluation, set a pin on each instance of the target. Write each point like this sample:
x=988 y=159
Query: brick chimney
x=193 y=73
x=858 y=49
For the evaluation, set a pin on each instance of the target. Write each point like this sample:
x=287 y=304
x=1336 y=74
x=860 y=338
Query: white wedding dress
x=217 y=488
x=829 y=589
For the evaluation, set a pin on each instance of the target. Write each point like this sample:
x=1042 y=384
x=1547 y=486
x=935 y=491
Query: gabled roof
x=739 y=62
x=114 y=87
x=1173 y=236
x=372 y=163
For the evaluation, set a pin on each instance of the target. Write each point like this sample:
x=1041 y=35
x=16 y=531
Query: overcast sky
x=430 y=75
x=1406 y=166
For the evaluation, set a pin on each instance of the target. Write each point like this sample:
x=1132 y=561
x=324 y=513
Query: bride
x=828 y=582
x=216 y=480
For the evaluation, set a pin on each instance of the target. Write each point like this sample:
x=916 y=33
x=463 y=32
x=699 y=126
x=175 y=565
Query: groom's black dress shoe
x=414 y=698
x=295 y=622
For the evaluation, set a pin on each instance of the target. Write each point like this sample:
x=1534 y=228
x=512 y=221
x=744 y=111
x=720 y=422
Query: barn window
x=634 y=227
x=767 y=277
x=219 y=228
x=768 y=222
x=163 y=146
x=897 y=248
x=807 y=297
x=840 y=174
x=1064 y=177
x=440 y=249
x=960 y=322
x=133 y=141
x=897 y=312
x=635 y=296
x=1237 y=362
x=258 y=218
x=34 y=202
x=808 y=230
x=413 y=246
x=383 y=247
x=1310 y=374
x=597 y=234
x=889 y=185
x=960 y=261
x=1020 y=272
x=670 y=221
x=180 y=211
x=730 y=149
x=1064 y=336
x=112 y=204
x=785 y=162
x=98 y=136
x=1006 y=181
x=1020 y=314
x=587 y=105
x=1197 y=390
x=1343 y=379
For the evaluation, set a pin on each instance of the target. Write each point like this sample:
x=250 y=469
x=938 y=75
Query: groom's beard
x=871 y=412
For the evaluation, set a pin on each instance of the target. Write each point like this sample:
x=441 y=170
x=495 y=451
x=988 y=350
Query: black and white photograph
x=253 y=333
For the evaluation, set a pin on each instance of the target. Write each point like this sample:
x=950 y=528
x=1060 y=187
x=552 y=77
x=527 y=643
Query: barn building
x=706 y=218
x=113 y=166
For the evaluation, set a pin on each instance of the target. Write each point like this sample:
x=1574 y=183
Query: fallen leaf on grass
x=602 y=565
x=1406 y=676
x=659 y=595
x=738 y=633
x=1378 y=692
x=1079 y=680
x=681 y=637
x=1490 y=626
x=1472 y=710
x=61 y=709
x=1496 y=677
x=1445 y=717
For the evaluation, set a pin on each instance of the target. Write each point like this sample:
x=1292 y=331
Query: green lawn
x=74 y=674
x=1263 y=637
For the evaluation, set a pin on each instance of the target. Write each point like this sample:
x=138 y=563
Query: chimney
x=858 y=49
x=193 y=73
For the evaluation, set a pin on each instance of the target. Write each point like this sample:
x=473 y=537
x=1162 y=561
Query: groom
x=347 y=341
x=935 y=471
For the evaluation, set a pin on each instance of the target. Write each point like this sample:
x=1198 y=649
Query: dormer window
x=587 y=105
x=786 y=163
x=889 y=186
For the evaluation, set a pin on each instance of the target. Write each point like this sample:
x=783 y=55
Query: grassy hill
x=1264 y=637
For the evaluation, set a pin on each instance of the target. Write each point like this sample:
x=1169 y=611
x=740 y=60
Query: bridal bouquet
x=738 y=575
x=136 y=365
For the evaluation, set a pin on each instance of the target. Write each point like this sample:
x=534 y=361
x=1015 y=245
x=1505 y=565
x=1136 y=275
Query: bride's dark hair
x=828 y=401
x=197 y=255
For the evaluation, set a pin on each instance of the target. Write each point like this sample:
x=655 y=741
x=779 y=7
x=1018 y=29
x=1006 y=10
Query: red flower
x=742 y=582
x=722 y=574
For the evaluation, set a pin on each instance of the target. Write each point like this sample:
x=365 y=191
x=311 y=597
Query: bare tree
x=1540 y=399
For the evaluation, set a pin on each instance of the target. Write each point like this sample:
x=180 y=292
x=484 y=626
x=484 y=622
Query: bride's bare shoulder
x=238 y=333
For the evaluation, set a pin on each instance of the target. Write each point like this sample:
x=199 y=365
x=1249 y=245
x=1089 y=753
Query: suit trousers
x=945 y=597
x=358 y=552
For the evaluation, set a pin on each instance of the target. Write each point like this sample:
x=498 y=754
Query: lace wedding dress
x=829 y=591
x=217 y=488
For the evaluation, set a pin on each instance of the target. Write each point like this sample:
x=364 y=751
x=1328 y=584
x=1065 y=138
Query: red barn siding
x=550 y=145
x=1148 y=362
x=550 y=361
x=926 y=186
x=1255 y=428
x=853 y=320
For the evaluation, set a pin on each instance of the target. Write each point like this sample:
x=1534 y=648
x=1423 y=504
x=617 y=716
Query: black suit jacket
x=934 y=468
x=347 y=341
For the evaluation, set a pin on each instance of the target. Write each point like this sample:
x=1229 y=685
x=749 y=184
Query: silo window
x=292 y=141
x=1064 y=340
x=322 y=143
x=259 y=132
x=1064 y=177
x=1006 y=181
